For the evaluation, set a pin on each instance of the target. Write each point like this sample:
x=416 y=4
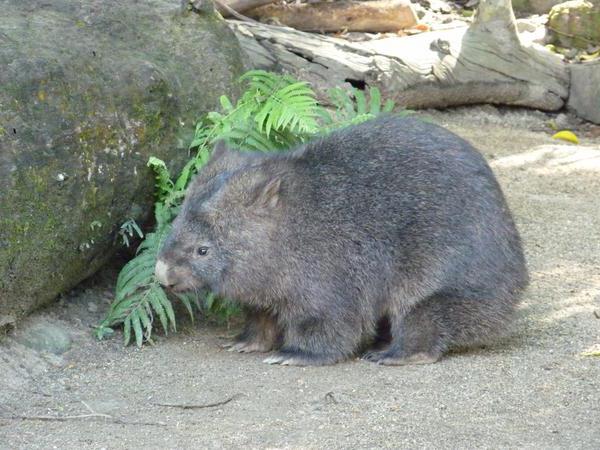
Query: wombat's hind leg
x=443 y=322
x=261 y=334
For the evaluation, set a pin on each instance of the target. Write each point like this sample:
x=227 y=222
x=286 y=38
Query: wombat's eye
x=202 y=251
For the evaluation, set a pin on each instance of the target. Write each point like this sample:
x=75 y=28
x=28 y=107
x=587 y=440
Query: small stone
x=92 y=307
x=45 y=336
x=562 y=121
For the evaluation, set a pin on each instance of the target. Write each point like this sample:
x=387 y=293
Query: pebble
x=45 y=336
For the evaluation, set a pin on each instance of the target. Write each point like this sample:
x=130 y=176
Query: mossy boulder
x=575 y=24
x=89 y=89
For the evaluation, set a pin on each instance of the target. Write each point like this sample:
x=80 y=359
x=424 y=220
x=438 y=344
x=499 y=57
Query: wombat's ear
x=219 y=149
x=268 y=193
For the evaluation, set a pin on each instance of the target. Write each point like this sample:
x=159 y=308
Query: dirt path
x=533 y=390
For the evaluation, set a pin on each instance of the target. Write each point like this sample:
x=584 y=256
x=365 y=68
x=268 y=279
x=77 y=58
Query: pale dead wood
x=483 y=63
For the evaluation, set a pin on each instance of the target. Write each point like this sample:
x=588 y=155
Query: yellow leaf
x=566 y=135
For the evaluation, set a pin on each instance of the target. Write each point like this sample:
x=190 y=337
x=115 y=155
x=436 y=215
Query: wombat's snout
x=161 y=272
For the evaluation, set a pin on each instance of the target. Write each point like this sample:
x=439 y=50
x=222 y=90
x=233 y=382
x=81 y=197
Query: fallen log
x=483 y=63
x=240 y=5
x=372 y=16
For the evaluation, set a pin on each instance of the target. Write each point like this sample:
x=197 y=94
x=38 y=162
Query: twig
x=92 y=414
x=234 y=13
x=200 y=406
x=89 y=408
x=81 y=416
x=57 y=418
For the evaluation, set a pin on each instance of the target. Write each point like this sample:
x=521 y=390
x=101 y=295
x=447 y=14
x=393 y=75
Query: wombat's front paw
x=298 y=358
x=394 y=358
x=247 y=347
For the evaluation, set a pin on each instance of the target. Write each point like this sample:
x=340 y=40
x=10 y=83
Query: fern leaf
x=127 y=331
x=225 y=103
x=158 y=308
x=139 y=274
x=374 y=101
x=361 y=101
x=184 y=178
x=137 y=327
x=209 y=300
x=138 y=281
x=185 y=299
x=388 y=106
x=146 y=320
x=121 y=309
x=164 y=184
x=166 y=303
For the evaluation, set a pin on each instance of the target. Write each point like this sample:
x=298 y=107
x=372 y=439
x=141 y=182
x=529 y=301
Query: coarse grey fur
x=391 y=223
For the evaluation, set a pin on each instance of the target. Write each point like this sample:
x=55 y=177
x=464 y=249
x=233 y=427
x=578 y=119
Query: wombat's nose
x=161 y=271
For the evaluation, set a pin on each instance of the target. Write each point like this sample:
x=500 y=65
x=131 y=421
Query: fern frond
x=352 y=107
x=164 y=185
x=292 y=107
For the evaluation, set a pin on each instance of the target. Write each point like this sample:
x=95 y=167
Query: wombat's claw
x=286 y=360
x=245 y=347
x=276 y=358
x=387 y=358
x=373 y=356
x=299 y=359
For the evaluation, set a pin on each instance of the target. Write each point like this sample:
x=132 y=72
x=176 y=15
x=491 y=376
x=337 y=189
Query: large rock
x=584 y=95
x=89 y=89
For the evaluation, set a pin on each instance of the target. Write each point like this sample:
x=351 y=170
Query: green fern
x=274 y=113
x=353 y=107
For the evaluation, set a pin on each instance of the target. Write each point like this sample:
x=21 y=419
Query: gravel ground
x=534 y=389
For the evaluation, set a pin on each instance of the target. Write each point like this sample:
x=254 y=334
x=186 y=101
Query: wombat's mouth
x=183 y=288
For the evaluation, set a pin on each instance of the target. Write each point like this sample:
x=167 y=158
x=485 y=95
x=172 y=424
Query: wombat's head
x=223 y=229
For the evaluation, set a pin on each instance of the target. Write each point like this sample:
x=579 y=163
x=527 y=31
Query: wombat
x=394 y=221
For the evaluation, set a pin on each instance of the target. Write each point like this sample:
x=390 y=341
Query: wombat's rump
x=393 y=220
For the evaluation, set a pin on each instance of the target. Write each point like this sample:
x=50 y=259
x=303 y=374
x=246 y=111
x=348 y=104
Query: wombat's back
x=414 y=195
